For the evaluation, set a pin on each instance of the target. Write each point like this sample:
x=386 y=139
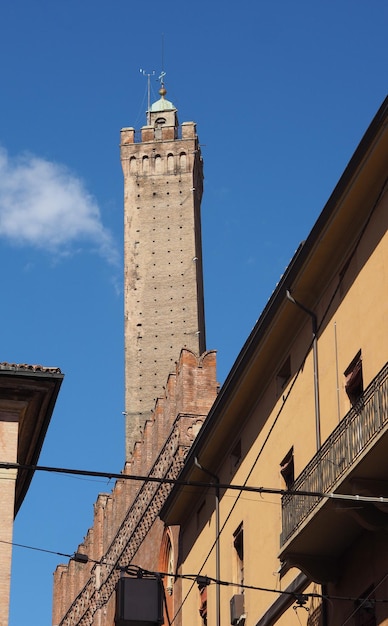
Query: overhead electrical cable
x=137 y=571
x=76 y=556
x=194 y=483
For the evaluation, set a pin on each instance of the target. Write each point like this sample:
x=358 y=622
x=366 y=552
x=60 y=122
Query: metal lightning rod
x=148 y=74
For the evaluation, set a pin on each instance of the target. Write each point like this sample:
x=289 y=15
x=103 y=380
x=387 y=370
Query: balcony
x=350 y=461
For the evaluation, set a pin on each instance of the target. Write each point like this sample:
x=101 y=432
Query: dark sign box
x=139 y=602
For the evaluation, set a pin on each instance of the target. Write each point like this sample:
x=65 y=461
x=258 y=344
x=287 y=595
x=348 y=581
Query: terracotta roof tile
x=30 y=368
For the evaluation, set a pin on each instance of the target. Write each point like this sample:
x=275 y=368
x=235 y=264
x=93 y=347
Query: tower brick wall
x=163 y=286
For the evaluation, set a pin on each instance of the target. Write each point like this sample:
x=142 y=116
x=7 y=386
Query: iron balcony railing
x=347 y=442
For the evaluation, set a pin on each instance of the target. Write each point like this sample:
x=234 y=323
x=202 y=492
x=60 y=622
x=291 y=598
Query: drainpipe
x=325 y=615
x=317 y=410
x=218 y=574
x=315 y=361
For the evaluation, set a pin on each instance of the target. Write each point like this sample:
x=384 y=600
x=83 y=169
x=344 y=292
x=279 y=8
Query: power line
x=76 y=556
x=194 y=483
x=137 y=571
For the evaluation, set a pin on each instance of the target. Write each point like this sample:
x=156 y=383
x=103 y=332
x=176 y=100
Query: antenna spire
x=162 y=74
x=148 y=74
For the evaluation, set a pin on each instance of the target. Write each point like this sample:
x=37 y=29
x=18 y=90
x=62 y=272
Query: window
x=166 y=564
x=183 y=161
x=158 y=164
x=170 y=570
x=238 y=543
x=145 y=165
x=287 y=469
x=170 y=163
x=354 y=384
x=159 y=123
x=203 y=601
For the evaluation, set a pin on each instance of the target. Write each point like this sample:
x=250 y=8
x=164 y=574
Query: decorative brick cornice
x=125 y=519
x=136 y=524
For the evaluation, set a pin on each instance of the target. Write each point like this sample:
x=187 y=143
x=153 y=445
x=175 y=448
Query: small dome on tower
x=162 y=104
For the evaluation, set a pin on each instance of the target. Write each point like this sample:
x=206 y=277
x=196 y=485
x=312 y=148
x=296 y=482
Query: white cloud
x=43 y=204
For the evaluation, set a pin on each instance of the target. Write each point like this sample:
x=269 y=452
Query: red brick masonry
x=126 y=526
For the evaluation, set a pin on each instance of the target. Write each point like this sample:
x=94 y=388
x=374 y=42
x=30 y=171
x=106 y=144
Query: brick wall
x=126 y=528
x=163 y=284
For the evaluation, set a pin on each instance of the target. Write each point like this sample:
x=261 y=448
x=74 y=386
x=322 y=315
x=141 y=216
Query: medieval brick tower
x=165 y=360
x=163 y=285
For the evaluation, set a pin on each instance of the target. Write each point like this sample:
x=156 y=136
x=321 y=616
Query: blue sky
x=281 y=92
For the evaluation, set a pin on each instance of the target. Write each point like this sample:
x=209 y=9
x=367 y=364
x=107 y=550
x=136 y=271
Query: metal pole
x=315 y=366
x=149 y=100
x=148 y=74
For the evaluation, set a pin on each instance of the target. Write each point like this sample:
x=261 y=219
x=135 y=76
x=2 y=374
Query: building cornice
x=29 y=392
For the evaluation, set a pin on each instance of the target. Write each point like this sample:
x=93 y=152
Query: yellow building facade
x=303 y=415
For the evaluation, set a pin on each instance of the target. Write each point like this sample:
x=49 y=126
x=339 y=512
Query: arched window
x=158 y=164
x=167 y=565
x=146 y=166
x=183 y=161
x=170 y=163
x=159 y=123
x=133 y=165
